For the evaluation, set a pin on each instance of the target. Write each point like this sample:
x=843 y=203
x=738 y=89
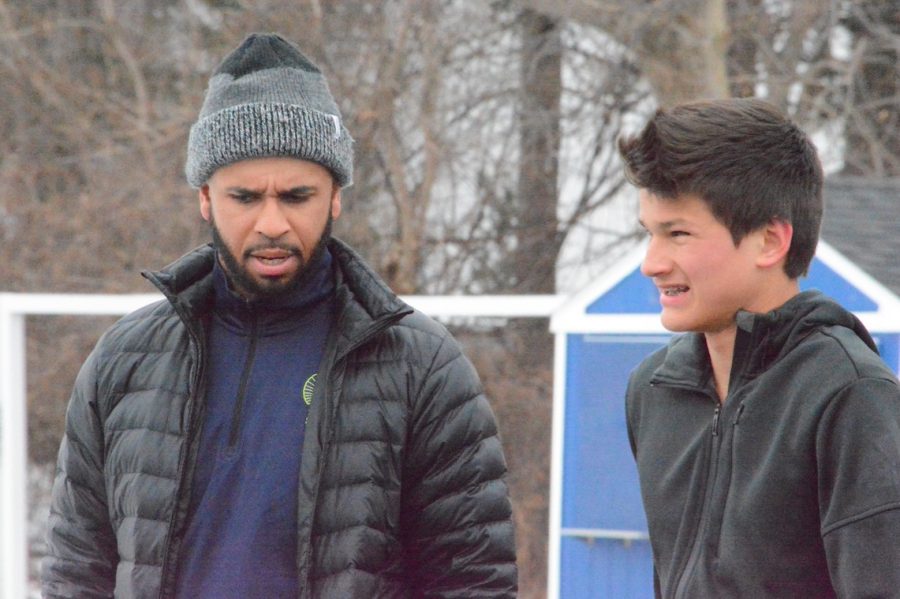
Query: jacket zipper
x=197 y=378
x=687 y=572
x=304 y=548
x=235 y=429
x=196 y=393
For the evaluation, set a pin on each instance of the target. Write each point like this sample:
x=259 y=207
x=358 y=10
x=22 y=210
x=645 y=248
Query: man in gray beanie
x=281 y=424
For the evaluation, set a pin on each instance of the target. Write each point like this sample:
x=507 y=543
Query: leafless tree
x=485 y=149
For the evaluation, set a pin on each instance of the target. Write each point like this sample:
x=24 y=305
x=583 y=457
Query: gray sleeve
x=81 y=549
x=858 y=453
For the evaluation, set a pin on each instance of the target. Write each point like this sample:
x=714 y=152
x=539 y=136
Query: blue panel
x=600 y=488
x=889 y=348
x=826 y=280
x=635 y=294
x=605 y=569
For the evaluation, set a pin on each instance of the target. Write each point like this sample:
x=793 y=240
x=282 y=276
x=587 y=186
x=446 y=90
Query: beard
x=254 y=289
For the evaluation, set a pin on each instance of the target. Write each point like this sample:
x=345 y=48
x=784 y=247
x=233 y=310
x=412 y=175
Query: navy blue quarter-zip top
x=241 y=533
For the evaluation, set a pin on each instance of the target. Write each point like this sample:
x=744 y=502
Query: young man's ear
x=776 y=242
x=205 y=205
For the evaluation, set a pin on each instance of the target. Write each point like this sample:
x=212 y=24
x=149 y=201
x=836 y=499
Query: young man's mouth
x=674 y=290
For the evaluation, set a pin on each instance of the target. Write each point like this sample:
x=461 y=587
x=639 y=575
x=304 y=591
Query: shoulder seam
x=894 y=505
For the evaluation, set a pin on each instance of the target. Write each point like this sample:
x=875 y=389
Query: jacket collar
x=686 y=363
x=762 y=339
x=283 y=312
x=364 y=301
x=188 y=281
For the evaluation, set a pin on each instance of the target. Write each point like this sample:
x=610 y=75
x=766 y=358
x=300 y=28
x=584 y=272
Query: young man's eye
x=678 y=233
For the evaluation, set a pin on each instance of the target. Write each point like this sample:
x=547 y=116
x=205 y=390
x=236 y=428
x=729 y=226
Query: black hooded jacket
x=791 y=487
x=401 y=490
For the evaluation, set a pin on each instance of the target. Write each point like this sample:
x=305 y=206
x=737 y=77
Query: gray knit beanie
x=267 y=99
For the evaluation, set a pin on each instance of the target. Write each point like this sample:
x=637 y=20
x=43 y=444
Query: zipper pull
x=737 y=417
x=715 y=426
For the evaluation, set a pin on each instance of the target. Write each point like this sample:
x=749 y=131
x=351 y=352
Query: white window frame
x=15 y=307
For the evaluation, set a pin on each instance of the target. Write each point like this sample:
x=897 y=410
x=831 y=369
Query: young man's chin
x=672 y=323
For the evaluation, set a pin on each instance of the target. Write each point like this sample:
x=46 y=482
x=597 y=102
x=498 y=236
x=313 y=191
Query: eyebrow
x=300 y=190
x=667 y=225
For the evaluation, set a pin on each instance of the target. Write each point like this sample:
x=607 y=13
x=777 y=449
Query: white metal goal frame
x=15 y=307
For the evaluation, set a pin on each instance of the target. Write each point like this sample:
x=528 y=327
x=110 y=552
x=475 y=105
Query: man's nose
x=655 y=261
x=272 y=221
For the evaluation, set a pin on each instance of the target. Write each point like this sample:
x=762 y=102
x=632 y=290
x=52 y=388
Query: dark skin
x=270 y=219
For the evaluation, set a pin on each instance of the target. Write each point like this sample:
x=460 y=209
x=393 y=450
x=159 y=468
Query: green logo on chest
x=308 y=387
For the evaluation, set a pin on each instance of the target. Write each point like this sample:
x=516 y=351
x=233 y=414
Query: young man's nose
x=655 y=262
x=272 y=221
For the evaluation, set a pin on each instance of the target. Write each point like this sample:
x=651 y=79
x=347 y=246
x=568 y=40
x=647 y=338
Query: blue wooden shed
x=598 y=546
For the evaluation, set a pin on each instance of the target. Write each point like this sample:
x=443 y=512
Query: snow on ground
x=40 y=483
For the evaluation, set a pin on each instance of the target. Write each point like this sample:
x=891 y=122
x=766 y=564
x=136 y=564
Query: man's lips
x=272 y=262
x=271 y=258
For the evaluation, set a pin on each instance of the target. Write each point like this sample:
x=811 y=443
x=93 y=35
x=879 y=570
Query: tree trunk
x=683 y=53
x=534 y=258
x=742 y=51
x=681 y=47
x=873 y=128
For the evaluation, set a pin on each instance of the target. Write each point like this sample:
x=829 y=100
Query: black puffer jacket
x=401 y=489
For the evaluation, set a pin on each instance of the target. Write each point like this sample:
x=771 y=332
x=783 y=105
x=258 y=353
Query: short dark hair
x=742 y=157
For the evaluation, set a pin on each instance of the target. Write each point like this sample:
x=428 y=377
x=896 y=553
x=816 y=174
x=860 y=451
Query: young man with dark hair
x=767 y=438
x=281 y=424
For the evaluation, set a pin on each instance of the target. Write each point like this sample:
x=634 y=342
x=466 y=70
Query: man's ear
x=205 y=204
x=776 y=242
x=336 y=202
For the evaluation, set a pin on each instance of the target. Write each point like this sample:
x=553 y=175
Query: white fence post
x=13 y=453
x=13 y=409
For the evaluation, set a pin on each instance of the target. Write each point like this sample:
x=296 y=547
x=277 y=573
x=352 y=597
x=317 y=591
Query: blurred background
x=485 y=159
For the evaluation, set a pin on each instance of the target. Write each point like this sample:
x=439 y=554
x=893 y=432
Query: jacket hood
x=781 y=330
x=762 y=339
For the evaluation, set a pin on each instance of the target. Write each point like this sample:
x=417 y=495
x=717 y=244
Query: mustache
x=273 y=245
